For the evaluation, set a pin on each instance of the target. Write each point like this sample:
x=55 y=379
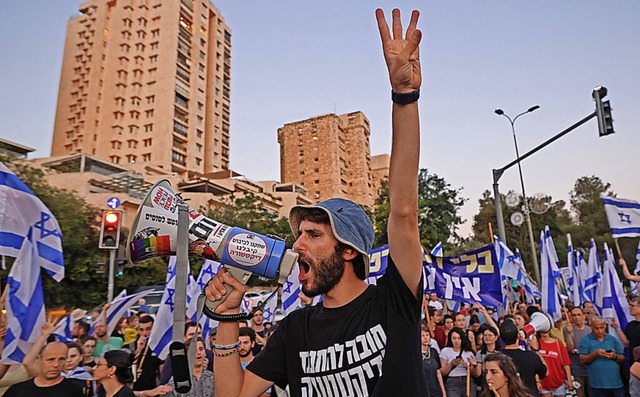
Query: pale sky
x=292 y=60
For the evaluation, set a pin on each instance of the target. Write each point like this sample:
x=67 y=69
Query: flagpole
x=618 y=247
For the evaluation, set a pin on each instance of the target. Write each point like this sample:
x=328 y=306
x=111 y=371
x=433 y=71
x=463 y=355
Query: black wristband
x=405 y=98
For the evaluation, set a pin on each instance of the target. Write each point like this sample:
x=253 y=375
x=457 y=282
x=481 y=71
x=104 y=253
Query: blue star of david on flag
x=623 y=216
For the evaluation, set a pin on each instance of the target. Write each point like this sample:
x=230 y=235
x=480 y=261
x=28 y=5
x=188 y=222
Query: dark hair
x=74 y=345
x=247 y=331
x=447 y=316
x=532 y=309
x=514 y=383
x=83 y=326
x=466 y=344
x=473 y=319
x=120 y=360
x=84 y=338
x=509 y=332
x=188 y=325
x=146 y=320
x=484 y=328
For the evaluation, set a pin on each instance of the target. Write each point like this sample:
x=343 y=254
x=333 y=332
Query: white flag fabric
x=65 y=325
x=209 y=269
x=269 y=310
x=291 y=292
x=550 y=273
x=119 y=306
x=623 y=216
x=583 y=271
x=573 y=289
x=592 y=277
x=25 y=303
x=22 y=212
x=509 y=262
x=162 y=331
x=636 y=271
x=193 y=291
x=614 y=303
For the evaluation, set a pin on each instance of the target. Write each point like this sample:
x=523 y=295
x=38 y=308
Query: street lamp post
x=525 y=205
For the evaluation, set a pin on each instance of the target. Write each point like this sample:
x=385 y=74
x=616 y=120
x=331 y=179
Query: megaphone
x=540 y=322
x=154 y=233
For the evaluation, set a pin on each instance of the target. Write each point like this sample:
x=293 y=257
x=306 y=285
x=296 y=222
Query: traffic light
x=110 y=229
x=603 y=111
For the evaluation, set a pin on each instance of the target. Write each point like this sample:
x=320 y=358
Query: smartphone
x=609 y=351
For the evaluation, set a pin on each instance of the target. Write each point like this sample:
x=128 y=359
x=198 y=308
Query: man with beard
x=362 y=339
x=247 y=339
x=257 y=325
x=104 y=341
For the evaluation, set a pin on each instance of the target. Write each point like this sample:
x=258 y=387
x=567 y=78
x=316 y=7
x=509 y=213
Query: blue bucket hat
x=349 y=223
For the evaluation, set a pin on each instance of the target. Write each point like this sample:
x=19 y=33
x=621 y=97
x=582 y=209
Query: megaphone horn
x=155 y=228
x=540 y=322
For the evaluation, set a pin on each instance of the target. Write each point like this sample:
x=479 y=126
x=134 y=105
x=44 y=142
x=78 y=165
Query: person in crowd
x=521 y=319
x=431 y=365
x=589 y=311
x=432 y=324
x=460 y=322
x=634 y=379
x=502 y=378
x=441 y=337
x=113 y=374
x=88 y=344
x=105 y=342
x=75 y=372
x=458 y=361
x=143 y=307
x=334 y=238
x=80 y=329
x=631 y=336
x=131 y=330
x=602 y=353
x=556 y=358
x=261 y=331
x=30 y=360
x=49 y=380
x=147 y=364
x=190 y=330
x=529 y=364
x=434 y=302
x=574 y=331
x=247 y=338
x=489 y=345
x=119 y=330
x=201 y=378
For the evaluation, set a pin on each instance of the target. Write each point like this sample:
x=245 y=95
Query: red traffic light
x=110 y=230
x=111 y=217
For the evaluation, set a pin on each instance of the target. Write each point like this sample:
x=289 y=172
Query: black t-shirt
x=28 y=388
x=529 y=365
x=150 y=371
x=123 y=392
x=430 y=365
x=632 y=332
x=345 y=350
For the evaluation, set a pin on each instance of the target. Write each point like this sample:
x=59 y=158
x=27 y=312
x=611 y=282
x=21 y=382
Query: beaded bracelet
x=226 y=347
x=226 y=353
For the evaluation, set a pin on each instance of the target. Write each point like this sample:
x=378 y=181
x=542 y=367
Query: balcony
x=180 y=128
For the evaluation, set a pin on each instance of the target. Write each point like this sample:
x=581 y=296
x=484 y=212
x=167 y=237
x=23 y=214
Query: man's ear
x=349 y=254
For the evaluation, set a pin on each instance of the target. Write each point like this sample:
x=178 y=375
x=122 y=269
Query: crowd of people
x=582 y=354
x=102 y=362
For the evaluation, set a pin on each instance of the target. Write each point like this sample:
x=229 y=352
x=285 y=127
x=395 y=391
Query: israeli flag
x=66 y=324
x=193 y=291
x=583 y=270
x=162 y=331
x=574 y=278
x=25 y=308
x=291 y=292
x=550 y=273
x=592 y=277
x=614 y=303
x=623 y=216
x=22 y=213
x=208 y=270
x=269 y=310
x=119 y=306
x=510 y=265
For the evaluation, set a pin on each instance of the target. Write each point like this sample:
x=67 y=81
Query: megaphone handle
x=240 y=275
x=212 y=305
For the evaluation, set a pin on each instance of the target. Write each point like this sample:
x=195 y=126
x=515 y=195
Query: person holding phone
x=602 y=353
x=458 y=362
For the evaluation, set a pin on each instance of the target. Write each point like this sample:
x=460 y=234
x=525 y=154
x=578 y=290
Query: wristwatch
x=405 y=98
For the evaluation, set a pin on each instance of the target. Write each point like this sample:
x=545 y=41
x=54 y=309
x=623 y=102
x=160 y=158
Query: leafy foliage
x=438 y=211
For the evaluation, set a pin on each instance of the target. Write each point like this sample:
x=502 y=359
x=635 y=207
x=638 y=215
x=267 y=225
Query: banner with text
x=470 y=277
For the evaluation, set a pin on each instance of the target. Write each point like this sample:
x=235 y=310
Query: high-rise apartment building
x=330 y=156
x=146 y=82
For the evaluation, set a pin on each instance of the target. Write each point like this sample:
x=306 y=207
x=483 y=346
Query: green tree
x=438 y=211
x=556 y=217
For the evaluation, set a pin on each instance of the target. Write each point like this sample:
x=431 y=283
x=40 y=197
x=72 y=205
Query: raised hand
x=401 y=53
